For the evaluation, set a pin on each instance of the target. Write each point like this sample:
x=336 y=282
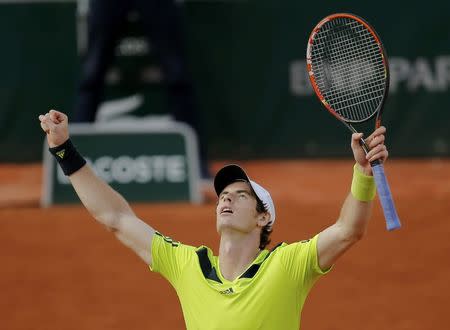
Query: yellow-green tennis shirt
x=269 y=295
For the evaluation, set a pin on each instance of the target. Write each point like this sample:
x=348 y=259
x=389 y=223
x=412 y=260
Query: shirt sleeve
x=301 y=262
x=169 y=257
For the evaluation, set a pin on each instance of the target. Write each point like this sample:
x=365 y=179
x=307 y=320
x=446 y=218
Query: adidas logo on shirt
x=227 y=291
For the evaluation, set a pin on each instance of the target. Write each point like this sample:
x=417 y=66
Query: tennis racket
x=349 y=72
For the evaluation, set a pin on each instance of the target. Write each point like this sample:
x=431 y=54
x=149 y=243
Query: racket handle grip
x=384 y=194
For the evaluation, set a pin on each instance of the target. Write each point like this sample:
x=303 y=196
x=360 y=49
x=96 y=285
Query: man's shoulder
x=171 y=242
x=282 y=245
x=293 y=247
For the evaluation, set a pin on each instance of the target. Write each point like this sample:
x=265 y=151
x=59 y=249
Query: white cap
x=232 y=173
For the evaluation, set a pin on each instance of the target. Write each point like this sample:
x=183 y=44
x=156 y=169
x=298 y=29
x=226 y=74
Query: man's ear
x=263 y=219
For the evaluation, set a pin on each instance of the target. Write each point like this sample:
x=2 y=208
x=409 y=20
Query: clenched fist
x=55 y=124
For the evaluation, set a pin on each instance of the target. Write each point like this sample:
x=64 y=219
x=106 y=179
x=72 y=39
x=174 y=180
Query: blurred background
x=239 y=65
x=247 y=63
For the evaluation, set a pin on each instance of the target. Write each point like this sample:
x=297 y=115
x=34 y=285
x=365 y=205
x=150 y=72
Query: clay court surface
x=61 y=270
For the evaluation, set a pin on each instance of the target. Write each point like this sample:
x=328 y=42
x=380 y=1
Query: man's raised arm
x=357 y=208
x=106 y=205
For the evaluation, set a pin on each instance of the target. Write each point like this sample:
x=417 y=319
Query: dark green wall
x=37 y=60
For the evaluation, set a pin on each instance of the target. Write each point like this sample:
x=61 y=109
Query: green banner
x=144 y=161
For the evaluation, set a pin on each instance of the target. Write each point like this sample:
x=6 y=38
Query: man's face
x=236 y=208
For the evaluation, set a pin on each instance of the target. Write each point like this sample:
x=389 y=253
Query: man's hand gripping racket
x=349 y=73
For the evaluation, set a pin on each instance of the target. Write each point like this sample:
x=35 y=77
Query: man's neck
x=236 y=253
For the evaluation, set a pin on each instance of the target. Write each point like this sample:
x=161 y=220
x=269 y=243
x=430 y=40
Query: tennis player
x=246 y=286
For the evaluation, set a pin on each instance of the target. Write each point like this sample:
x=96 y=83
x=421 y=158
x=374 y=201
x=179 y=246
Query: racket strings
x=344 y=74
x=345 y=78
x=349 y=69
x=350 y=49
